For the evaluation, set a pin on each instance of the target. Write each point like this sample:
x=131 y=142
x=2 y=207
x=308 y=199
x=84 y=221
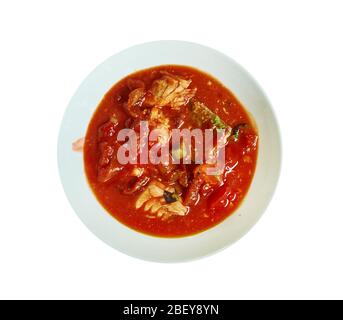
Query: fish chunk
x=153 y=201
x=136 y=99
x=154 y=190
x=170 y=90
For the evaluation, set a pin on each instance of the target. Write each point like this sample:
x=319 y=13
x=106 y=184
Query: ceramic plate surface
x=79 y=114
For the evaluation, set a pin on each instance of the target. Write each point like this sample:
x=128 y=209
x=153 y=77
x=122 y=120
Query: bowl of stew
x=169 y=151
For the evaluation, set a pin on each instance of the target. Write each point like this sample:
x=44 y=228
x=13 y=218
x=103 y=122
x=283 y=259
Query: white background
x=293 y=48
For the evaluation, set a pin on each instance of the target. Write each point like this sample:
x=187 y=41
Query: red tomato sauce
x=208 y=203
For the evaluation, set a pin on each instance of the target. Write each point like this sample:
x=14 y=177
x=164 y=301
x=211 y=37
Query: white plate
x=86 y=100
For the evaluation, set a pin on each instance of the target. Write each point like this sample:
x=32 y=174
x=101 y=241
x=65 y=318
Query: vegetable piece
x=107 y=173
x=192 y=195
x=218 y=123
x=202 y=115
x=107 y=152
x=108 y=166
x=78 y=145
x=237 y=130
x=200 y=178
x=108 y=130
x=169 y=197
x=136 y=184
x=135 y=102
x=221 y=198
